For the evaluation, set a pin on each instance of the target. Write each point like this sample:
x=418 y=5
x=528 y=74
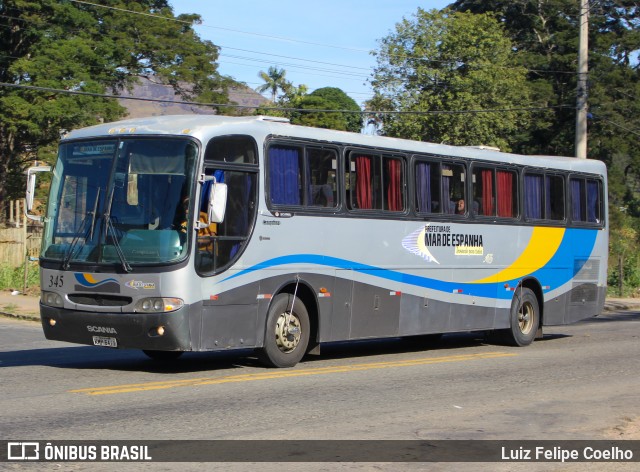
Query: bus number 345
x=56 y=281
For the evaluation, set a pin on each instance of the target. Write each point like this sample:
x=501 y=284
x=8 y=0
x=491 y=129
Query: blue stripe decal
x=576 y=243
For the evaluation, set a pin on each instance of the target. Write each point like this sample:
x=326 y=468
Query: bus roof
x=203 y=127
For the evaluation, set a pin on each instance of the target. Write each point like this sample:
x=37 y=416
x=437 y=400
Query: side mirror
x=31 y=189
x=217 y=202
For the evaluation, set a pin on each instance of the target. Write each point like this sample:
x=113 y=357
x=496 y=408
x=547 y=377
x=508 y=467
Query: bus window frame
x=545 y=220
x=569 y=201
x=214 y=164
x=495 y=167
x=303 y=145
x=440 y=160
x=404 y=159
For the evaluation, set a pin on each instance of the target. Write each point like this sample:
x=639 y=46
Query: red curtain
x=487 y=192
x=394 y=191
x=363 y=182
x=505 y=193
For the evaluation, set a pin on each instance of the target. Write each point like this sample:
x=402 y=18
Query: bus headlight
x=158 y=305
x=51 y=299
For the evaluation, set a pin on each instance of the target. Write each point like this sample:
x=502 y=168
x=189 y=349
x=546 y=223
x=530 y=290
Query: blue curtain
x=576 y=200
x=283 y=174
x=592 y=201
x=423 y=187
x=533 y=196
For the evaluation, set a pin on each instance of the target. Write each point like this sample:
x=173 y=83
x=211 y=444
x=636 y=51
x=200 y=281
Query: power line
x=634 y=132
x=292 y=40
x=302 y=110
x=280 y=38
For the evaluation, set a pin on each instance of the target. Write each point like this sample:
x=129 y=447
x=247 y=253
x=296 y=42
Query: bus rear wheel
x=287 y=332
x=525 y=318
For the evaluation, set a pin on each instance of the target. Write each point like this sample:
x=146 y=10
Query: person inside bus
x=205 y=235
x=460 y=207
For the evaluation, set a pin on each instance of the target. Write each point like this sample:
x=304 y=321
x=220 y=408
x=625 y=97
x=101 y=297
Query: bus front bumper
x=149 y=331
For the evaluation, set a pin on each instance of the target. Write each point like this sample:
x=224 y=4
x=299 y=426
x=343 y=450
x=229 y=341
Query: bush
x=12 y=278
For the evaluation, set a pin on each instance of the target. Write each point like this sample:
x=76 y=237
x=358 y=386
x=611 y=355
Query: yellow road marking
x=281 y=374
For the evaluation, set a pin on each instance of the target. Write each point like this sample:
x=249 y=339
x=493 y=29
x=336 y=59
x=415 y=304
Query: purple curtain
x=283 y=174
x=576 y=200
x=423 y=187
x=533 y=196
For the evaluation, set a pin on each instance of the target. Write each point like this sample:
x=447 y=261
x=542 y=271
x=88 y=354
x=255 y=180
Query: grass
x=12 y=278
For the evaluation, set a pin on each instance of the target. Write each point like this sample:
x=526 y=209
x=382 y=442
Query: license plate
x=104 y=341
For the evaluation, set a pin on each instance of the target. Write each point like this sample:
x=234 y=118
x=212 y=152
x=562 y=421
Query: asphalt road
x=580 y=382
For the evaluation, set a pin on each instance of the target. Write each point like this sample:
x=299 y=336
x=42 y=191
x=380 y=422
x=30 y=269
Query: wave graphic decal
x=557 y=271
x=87 y=282
x=542 y=246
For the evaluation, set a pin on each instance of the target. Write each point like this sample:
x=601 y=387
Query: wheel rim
x=288 y=332
x=526 y=317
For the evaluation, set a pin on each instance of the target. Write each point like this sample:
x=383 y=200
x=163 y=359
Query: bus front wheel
x=525 y=318
x=287 y=332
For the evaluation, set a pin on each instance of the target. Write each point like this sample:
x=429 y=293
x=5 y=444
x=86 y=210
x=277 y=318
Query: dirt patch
x=629 y=428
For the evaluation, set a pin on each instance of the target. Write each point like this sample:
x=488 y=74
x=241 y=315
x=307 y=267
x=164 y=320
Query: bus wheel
x=525 y=317
x=163 y=356
x=287 y=332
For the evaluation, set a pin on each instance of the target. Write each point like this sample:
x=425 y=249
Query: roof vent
x=487 y=148
x=276 y=119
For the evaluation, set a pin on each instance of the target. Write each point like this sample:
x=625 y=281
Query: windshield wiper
x=71 y=252
x=116 y=244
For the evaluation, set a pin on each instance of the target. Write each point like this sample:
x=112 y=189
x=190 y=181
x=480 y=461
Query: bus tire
x=163 y=356
x=525 y=318
x=287 y=332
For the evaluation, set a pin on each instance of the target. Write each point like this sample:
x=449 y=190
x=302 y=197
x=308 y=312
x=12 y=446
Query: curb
x=20 y=316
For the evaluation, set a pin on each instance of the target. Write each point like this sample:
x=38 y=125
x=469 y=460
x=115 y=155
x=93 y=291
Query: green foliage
x=547 y=44
x=84 y=48
x=323 y=99
x=447 y=62
x=12 y=278
x=274 y=81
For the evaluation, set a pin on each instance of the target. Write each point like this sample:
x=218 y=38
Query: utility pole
x=582 y=92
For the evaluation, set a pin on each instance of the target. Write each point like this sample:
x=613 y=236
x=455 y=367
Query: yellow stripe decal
x=542 y=246
x=281 y=374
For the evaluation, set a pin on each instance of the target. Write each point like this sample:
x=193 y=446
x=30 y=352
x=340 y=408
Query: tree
x=545 y=34
x=457 y=64
x=274 y=81
x=547 y=43
x=77 y=47
x=327 y=101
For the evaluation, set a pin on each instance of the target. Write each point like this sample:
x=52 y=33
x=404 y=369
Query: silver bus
x=207 y=233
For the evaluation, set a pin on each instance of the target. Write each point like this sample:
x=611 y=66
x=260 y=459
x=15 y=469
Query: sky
x=320 y=44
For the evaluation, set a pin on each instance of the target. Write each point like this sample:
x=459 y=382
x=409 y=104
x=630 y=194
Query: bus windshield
x=120 y=201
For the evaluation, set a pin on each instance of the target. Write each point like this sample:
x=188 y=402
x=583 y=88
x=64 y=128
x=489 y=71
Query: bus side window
x=428 y=184
x=496 y=191
x=585 y=200
x=284 y=175
x=376 y=182
x=534 y=196
x=454 y=188
x=554 y=196
x=320 y=180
